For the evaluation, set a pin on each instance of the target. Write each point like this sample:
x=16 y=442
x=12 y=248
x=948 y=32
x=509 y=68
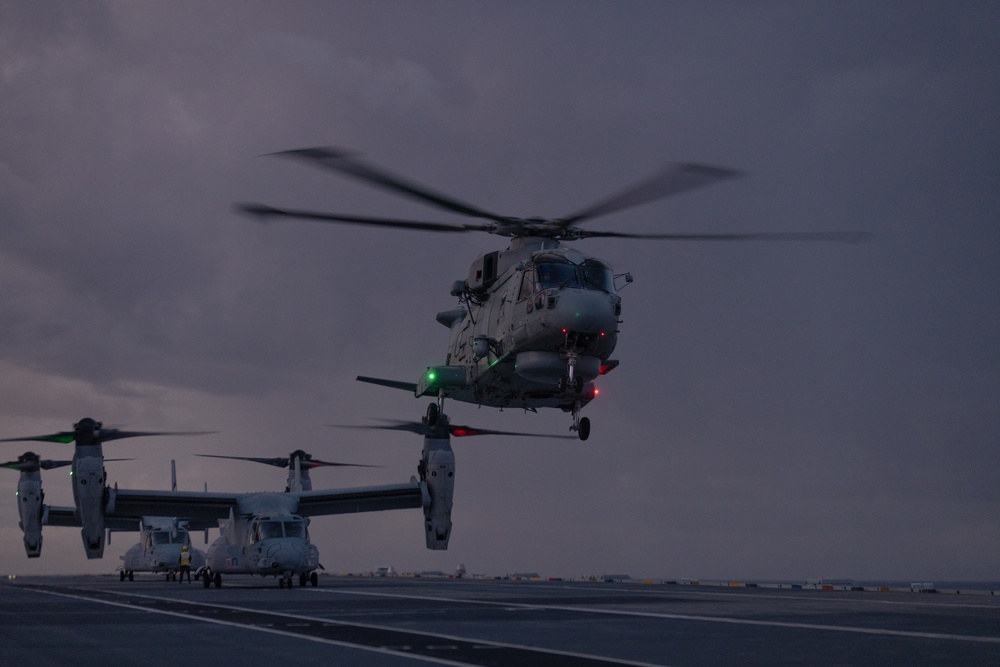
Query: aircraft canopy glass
x=164 y=537
x=295 y=528
x=290 y=528
x=592 y=274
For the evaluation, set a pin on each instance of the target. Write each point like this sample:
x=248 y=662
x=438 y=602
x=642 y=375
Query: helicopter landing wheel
x=581 y=426
x=122 y=575
x=313 y=579
x=432 y=414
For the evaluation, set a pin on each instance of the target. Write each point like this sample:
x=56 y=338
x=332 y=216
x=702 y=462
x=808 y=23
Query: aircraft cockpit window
x=527 y=285
x=269 y=529
x=161 y=537
x=295 y=529
x=551 y=275
x=598 y=275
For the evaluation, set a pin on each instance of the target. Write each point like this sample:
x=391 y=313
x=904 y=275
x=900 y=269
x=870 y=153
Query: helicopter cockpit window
x=527 y=285
x=598 y=275
x=557 y=275
x=295 y=528
x=161 y=537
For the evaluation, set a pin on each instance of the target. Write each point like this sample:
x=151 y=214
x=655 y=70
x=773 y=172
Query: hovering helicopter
x=537 y=323
x=90 y=493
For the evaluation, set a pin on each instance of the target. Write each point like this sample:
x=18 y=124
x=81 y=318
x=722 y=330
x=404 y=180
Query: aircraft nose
x=289 y=554
x=586 y=311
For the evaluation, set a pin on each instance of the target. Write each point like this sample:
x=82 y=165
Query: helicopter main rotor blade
x=845 y=237
x=340 y=161
x=263 y=211
x=673 y=180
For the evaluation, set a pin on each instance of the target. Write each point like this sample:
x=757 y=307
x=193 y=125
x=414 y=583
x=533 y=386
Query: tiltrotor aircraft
x=537 y=322
x=90 y=492
x=32 y=511
x=160 y=542
x=159 y=548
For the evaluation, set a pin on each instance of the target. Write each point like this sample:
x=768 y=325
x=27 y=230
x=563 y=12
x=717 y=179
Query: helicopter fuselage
x=538 y=326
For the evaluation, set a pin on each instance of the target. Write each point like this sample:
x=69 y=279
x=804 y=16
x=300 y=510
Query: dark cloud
x=781 y=410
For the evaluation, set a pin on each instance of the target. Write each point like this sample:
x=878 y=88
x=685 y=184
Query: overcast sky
x=780 y=411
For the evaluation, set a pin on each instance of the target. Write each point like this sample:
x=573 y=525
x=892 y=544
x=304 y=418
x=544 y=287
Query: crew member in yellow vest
x=185 y=561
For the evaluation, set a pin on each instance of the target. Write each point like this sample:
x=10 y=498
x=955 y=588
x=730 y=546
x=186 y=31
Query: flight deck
x=396 y=621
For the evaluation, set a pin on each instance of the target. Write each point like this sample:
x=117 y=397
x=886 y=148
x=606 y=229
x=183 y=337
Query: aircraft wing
x=60 y=516
x=200 y=508
x=66 y=516
x=362 y=499
x=392 y=384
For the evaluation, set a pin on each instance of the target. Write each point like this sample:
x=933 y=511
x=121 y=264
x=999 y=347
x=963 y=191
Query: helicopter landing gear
x=432 y=414
x=435 y=409
x=580 y=425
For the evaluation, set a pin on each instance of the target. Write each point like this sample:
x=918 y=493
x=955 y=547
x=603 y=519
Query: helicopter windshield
x=592 y=274
x=598 y=275
x=161 y=537
x=557 y=275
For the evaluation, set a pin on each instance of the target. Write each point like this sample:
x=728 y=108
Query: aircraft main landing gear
x=580 y=425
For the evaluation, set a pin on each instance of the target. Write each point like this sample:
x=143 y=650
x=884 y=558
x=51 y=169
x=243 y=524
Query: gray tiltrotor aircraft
x=159 y=548
x=262 y=533
x=32 y=511
x=537 y=322
x=90 y=492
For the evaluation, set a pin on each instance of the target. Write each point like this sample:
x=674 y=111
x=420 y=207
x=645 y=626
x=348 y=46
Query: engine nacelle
x=438 y=472
x=90 y=496
x=30 y=511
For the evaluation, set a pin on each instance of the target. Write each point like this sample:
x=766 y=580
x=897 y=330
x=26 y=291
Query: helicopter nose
x=585 y=311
